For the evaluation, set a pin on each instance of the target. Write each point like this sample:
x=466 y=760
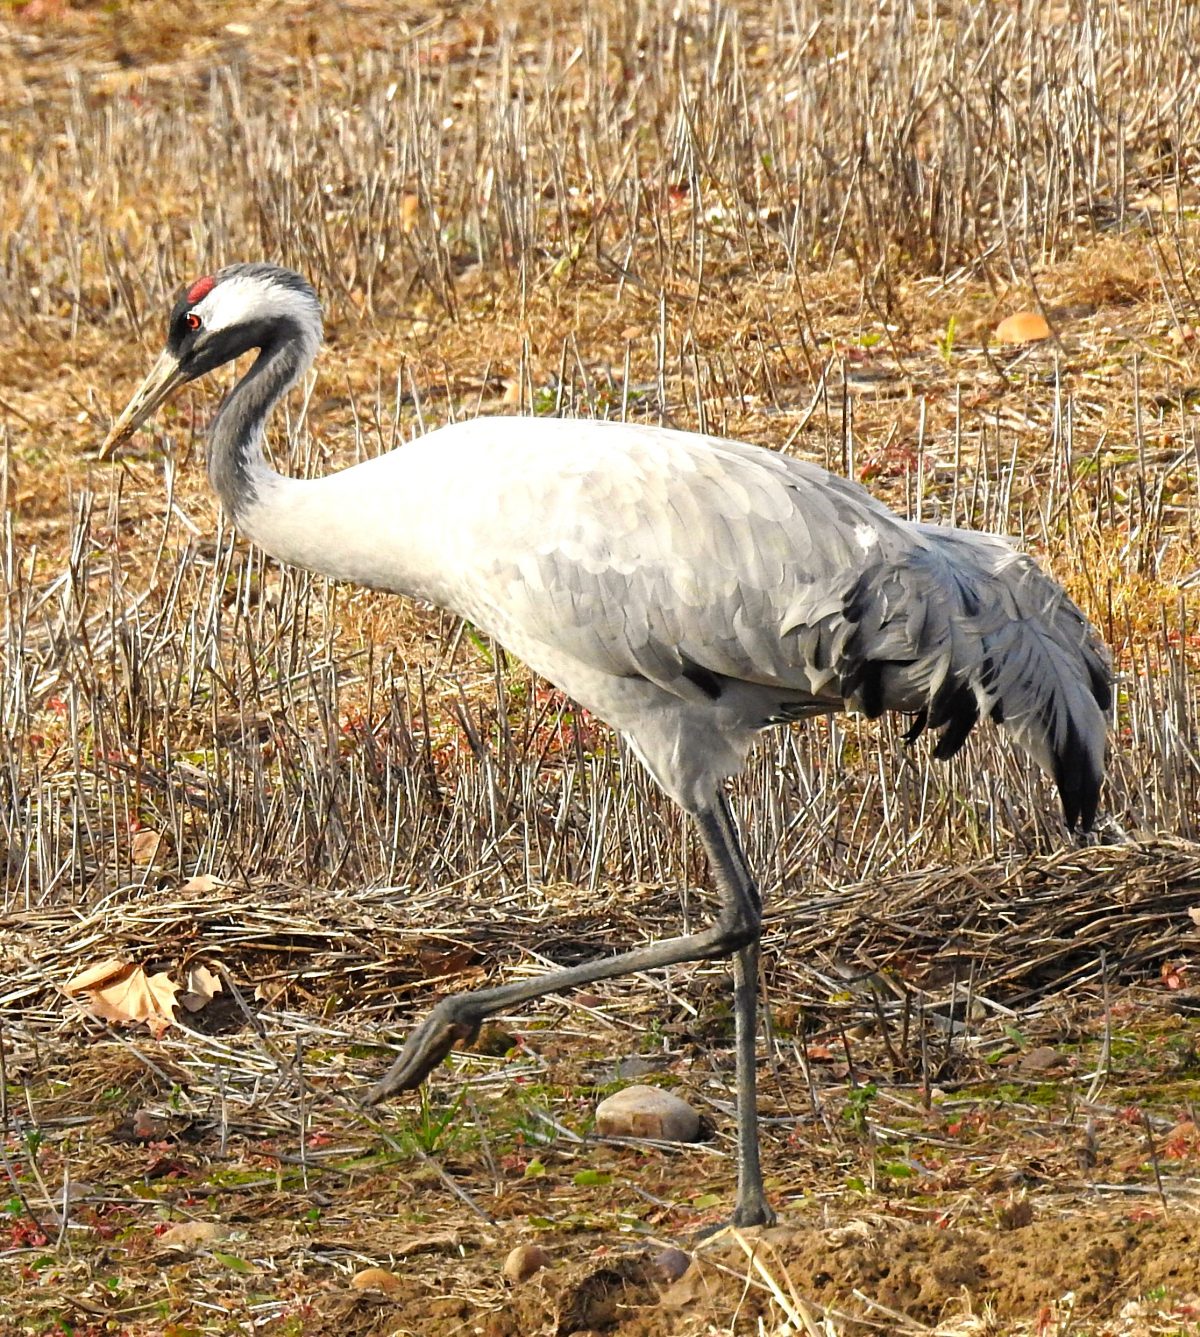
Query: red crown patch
x=201 y=288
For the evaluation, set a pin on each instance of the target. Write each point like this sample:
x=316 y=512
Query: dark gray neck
x=237 y=468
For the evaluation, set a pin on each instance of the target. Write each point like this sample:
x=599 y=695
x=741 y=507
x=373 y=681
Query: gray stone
x=645 y=1111
x=523 y=1261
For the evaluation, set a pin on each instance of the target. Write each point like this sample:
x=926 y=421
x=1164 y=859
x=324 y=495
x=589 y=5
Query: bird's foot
x=751 y=1211
x=424 y=1049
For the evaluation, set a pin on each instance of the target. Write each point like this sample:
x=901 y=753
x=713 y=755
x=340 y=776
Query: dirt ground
x=993 y=1216
x=952 y=1248
x=1026 y=1173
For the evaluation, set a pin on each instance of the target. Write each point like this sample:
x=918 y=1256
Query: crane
x=689 y=590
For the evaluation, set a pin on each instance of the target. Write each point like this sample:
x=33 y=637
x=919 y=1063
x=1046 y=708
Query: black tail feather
x=963 y=627
x=956 y=713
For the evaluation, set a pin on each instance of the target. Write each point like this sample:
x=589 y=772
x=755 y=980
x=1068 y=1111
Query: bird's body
x=689 y=590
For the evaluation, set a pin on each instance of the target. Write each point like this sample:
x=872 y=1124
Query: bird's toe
x=425 y=1048
x=755 y=1211
x=744 y=1216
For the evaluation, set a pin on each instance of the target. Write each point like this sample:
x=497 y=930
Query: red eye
x=192 y=320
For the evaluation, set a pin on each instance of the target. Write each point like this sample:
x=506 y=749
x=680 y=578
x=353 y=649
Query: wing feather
x=674 y=558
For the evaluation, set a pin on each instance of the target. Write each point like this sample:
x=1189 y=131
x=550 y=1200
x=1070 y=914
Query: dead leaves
x=191 y=1235
x=145 y=846
x=121 y=991
x=200 y=989
x=118 y=990
x=203 y=884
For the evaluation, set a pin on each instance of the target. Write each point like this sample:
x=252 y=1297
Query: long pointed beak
x=164 y=379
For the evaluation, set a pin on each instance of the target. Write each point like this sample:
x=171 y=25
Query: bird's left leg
x=727 y=860
x=457 y=1017
x=735 y=933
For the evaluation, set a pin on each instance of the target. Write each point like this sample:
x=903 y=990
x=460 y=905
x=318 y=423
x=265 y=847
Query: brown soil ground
x=1041 y=1177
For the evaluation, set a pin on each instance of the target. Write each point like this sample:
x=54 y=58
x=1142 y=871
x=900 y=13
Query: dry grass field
x=800 y=223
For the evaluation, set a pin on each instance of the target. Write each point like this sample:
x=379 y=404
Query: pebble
x=1022 y=328
x=645 y=1111
x=523 y=1261
x=671 y=1264
x=149 y=1127
x=375 y=1279
x=1043 y=1059
x=75 y=1189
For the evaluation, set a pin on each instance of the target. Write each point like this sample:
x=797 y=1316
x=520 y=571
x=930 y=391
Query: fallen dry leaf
x=191 y=1234
x=144 y=846
x=1182 y=1142
x=1024 y=327
x=433 y=1241
x=199 y=989
x=201 y=885
x=126 y=993
x=101 y=973
x=269 y=992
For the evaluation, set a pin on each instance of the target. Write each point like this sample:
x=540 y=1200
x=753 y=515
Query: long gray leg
x=458 y=1016
x=727 y=859
x=735 y=933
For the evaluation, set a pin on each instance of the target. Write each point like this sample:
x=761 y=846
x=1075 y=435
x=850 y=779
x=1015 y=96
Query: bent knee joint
x=732 y=934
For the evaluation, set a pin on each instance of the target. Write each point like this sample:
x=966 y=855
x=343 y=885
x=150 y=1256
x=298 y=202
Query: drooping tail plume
x=967 y=627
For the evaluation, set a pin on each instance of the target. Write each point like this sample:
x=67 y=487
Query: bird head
x=214 y=320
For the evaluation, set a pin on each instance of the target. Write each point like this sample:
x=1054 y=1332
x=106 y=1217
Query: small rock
x=375 y=1279
x=1045 y=1058
x=671 y=1264
x=149 y=1127
x=1024 y=327
x=524 y=1261
x=75 y=1190
x=645 y=1111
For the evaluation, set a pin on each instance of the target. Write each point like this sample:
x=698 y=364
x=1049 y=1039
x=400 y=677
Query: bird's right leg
x=457 y=1018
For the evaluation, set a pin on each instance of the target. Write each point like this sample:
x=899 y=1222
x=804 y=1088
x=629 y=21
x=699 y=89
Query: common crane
x=689 y=590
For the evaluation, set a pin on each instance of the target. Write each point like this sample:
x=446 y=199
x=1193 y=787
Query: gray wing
x=694 y=562
x=672 y=553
